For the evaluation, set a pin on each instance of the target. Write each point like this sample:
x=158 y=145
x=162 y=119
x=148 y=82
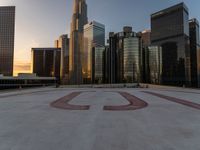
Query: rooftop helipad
x=100 y=119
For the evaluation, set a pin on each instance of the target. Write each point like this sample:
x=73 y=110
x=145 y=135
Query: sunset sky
x=40 y=22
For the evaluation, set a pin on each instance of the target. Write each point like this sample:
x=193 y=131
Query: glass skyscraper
x=94 y=35
x=155 y=64
x=79 y=19
x=98 y=64
x=125 y=56
x=170 y=30
x=7 y=34
x=132 y=55
x=195 y=52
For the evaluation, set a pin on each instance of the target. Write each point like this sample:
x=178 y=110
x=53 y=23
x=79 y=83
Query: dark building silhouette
x=170 y=30
x=46 y=62
x=146 y=42
x=195 y=52
x=7 y=34
x=108 y=65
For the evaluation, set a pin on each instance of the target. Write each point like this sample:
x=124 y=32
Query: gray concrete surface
x=27 y=122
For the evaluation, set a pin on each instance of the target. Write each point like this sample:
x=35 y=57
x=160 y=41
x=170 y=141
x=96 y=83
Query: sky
x=40 y=22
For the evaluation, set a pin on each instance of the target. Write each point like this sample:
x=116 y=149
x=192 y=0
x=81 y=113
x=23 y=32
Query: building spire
x=79 y=19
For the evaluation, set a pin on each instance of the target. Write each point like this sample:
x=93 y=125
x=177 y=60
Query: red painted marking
x=176 y=100
x=180 y=91
x=134 y=103
x=63 y=103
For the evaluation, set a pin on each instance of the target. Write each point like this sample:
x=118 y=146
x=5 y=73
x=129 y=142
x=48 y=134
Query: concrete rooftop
x=100 y=119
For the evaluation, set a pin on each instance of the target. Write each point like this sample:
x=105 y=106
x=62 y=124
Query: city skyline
x=27 y=32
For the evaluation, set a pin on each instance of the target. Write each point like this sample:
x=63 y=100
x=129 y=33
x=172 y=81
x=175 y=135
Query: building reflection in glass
x=131 y=59
x=94 y=35
x=98 y=62
x=125 y=55
x=155 y=64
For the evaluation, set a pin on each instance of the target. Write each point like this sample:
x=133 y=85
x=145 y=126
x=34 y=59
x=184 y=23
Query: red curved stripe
x=63 y=103
x=134 y=103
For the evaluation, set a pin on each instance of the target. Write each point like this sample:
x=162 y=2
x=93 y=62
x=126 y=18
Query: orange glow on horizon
x=21 y=67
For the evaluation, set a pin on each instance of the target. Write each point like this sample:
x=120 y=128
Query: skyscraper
x=94 y=35
x=125 y=56
x=63 y=44
x=170 y=30
x=98 y=64
x=195 y=52
x=155 y=64
x=7 y=34
x=146 y=42
x=79 y=19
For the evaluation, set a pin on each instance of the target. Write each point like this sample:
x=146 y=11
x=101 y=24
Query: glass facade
x=170 y=22
x=98 y=62
x=131 y=60
x=7 y=34
x=155 y=64
x=125 y=57
x=170 y=29
x=94 y=35
x=46 y=62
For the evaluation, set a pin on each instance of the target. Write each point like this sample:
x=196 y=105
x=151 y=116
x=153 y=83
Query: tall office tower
x=125 y=49
x=98 y=64
x=108 y=65
x=63 y=44
x=94 y=35
x=170 y=30
x=111 y=59
x=195 y=52
x=46 y=62
x=155 y=64
x=146 y=42
x=7 y=34
x=79 y=19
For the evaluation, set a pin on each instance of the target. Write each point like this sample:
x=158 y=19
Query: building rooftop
x=7 y=6
x=194 y=20
x=170 y=9
x=94 y=23
x=31 y=121
x=45 y=48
